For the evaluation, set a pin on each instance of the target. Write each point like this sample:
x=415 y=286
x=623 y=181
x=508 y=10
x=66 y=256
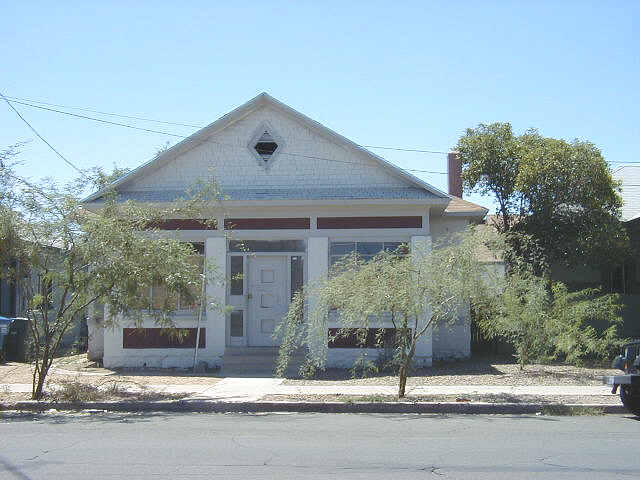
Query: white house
x=299 y=195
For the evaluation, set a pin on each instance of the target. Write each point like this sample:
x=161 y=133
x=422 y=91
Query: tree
x=557 y=201
x=411 y=293
x=545 y=324
x=69 y=259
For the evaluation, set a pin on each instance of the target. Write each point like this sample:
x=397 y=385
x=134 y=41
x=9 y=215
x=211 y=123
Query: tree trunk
x=38 y=390
x=403 y=381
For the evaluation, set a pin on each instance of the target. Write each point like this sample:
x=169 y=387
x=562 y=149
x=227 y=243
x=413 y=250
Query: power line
x=30 y=102
x=38 y=135
x=96 y=119
x=84 y=109
x=133 y=127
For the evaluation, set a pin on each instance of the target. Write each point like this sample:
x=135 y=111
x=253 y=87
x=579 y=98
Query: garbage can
x=16 y=340
x=4 y=330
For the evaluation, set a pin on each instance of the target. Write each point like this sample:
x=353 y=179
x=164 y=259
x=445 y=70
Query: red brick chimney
x=454 y=173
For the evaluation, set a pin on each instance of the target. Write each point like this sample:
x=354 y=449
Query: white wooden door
x=268 y=298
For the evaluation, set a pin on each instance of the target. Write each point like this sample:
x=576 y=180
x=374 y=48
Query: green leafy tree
x=411 y=293
x=545 y=324
x=557 y=201
x=67 y=258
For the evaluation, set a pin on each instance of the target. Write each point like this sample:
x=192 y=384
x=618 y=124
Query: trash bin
x=4 y=330
x=15 y=342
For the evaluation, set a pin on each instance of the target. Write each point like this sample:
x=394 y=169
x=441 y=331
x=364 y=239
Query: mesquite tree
x=411 y=293
x=65 y=259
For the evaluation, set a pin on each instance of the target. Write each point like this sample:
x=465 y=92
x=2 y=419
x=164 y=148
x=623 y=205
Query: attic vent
x=265 y=146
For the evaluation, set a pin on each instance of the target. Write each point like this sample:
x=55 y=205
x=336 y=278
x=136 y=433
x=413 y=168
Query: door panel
x=268 y=299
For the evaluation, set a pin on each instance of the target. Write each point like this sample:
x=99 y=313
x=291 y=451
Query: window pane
x=342 y=248
x=267 y=246
x=297 y=274
x=369 y=248
x=237 y=273
x=237 y=324
x=159 y=295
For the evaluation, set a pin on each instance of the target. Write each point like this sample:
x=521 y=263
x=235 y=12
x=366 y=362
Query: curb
x=315 y=407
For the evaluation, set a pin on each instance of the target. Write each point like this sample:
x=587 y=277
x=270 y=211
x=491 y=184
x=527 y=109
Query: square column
x=317 y=268
x=216 y=291
x=420 y=246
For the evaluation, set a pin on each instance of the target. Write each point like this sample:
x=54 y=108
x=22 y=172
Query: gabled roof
x=242 y=111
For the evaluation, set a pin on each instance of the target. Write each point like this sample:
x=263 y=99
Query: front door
x=268 y=299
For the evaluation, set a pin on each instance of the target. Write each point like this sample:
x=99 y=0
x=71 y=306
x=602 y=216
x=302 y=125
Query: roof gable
x=343 y=168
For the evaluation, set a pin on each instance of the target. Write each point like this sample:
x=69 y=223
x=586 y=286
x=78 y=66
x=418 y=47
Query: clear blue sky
x=406 y=74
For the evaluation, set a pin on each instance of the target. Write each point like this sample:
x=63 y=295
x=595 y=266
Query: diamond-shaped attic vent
x=266 y=146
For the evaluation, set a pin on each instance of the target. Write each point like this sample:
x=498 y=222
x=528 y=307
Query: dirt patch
x=79 y=369
x=471 y=372
x=487 y=398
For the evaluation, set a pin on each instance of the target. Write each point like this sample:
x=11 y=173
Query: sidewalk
x=252 y=389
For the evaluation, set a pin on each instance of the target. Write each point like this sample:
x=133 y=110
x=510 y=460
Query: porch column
x=216 y=261
x=420 y=246
x=317 y=268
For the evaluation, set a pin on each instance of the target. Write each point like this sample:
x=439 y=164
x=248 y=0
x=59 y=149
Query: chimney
x=454 y=174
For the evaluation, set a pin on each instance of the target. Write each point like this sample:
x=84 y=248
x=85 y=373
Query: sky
x=402 y=74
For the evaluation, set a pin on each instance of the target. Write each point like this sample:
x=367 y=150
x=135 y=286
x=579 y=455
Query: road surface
x=317 y=446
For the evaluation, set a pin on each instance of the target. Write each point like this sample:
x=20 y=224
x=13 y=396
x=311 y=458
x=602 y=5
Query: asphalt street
x=317 y=446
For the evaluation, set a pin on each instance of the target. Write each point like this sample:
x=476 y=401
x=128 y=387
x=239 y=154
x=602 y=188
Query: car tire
x=630 y=396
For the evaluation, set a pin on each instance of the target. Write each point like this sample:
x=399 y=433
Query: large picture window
x=160 y=294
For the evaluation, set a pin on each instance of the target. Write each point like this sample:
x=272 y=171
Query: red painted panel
x=181 y=224
x=369 y=222
x=156 y=338
x=267 y=223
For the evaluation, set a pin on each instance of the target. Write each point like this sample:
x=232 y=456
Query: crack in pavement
x=44 y=452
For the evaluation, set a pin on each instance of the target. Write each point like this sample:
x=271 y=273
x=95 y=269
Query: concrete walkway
x=251 y=389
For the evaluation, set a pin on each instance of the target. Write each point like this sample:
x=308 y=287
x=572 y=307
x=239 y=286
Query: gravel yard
x=477 y=371
x=78 y=368
x=503 y=398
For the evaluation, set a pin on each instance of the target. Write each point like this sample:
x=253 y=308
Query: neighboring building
x=300 y=195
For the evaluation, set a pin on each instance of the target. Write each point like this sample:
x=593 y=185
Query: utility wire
x=84 y=109
x=133 y=127
x=38 y=135
x=23 y=101
x=30 y=102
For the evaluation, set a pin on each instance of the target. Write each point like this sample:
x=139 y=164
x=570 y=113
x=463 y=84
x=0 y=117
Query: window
x=267 y=246
x=237 y=275
x=367 y=250
x=265 y=146
x=237 y=324
x=297 y=274
x=160 y=295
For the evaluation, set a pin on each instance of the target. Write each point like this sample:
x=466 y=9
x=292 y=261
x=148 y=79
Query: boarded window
x=159 y=338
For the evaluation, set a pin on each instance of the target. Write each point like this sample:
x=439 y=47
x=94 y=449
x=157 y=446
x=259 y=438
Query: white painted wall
x=234 y=165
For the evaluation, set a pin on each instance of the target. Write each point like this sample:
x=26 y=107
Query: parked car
x=629 y=383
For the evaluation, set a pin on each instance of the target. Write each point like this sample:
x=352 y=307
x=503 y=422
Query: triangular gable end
x=266 y=145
